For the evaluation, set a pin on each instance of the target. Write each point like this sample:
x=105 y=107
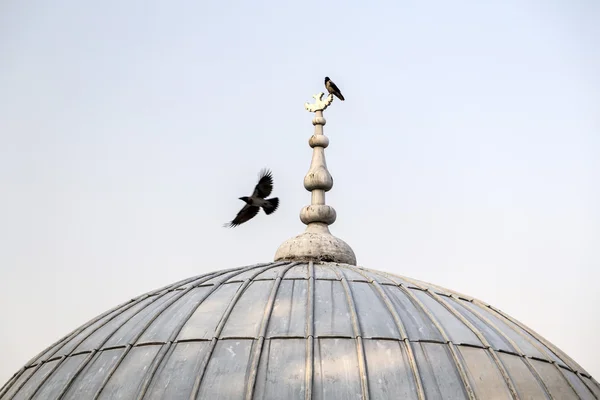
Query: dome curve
x=301 y=330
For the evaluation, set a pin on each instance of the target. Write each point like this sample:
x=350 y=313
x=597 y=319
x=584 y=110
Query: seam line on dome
x=258 y=346
x=221 y=325
x=360 y=350
x=403 y=337
x=310 y=331
x=191 y=340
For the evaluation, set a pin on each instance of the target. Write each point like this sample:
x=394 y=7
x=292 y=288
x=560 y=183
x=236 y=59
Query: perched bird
x=331 y=88
x=258 y=199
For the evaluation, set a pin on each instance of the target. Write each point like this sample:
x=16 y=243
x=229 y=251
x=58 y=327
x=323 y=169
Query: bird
x=257 y=200
x=333 y=89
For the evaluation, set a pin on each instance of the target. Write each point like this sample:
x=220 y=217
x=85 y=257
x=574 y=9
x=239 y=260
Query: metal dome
x=288 y=330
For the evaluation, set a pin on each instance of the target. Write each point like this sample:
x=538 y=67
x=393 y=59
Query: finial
x=317 y=243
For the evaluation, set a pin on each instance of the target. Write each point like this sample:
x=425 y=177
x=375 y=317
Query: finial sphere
x=318 y=141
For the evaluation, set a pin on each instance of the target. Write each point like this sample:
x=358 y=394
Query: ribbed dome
x=299 y=331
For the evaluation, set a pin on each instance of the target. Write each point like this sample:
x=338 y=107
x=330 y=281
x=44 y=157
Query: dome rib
x=360 y=350
x=301 y=331
x=310 y=333
x=263 y=330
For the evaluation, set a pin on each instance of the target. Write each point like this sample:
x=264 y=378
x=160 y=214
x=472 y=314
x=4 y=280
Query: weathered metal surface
x=302 y=331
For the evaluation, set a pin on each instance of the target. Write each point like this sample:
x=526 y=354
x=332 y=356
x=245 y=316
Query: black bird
x=258 y=199
x=331 y=88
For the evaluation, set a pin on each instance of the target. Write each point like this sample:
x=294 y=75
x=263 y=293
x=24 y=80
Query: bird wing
x=264 y=187
x=246 y=213
x=334 y=87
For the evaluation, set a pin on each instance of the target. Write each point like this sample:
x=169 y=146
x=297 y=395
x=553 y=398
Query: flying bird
x=258 y=200
x=333 y=89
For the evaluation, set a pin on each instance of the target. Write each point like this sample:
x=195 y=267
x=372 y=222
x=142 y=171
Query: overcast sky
x=466 y=153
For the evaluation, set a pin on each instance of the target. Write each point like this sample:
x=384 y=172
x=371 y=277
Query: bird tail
x=341 y=97
x=271 y=205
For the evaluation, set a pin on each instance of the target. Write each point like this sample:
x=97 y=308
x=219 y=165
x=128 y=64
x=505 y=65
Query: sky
x=465 y=154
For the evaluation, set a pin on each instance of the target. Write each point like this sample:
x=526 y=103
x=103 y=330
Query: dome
x=297 y=330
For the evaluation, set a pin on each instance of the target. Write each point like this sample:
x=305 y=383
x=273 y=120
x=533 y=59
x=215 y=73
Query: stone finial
x=317 y=243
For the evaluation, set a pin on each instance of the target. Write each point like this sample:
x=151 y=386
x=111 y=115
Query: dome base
x=316 y=245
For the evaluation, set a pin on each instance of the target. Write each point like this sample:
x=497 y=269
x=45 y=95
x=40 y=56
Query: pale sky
x=466 y=153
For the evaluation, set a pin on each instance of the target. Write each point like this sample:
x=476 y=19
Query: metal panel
x=525 y=346
x=372 y=313
x=247 y=314
x=353 y=275
x=418 y=326
x=288 y=317
x=324 y=272
x=162 y=327
x=130 y=329
x=554 y=380
x=96 y=339
x=242 y=276
x=297 y=272
x=125 y=381
x=89 y=381
x=271 y=273
x=35 y=380
x=398 y=280
x=226 y=373
x=205 y=319
x=332 y=315
x=491 y=335
x=336 y=374
x=484 y=375
x=549 y=354
x=281 y=370
x=59 y=378
x=441 y=379
x=525 y=382
x=593 y=386
x=577 y=384
x=175 y=378
x=18 y=383
x=219 y=279
x=377 y=276
x=389 y=371
x=456 y=330
x=74 y=342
